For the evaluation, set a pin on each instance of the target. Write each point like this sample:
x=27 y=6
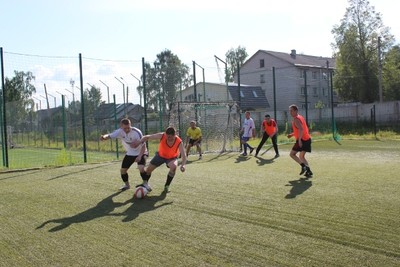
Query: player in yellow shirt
x=193 y=138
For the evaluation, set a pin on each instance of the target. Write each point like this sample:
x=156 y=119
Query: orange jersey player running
x=303 y=141
x=169 y=149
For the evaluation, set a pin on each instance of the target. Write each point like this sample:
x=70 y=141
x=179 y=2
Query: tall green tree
x=233 y=58
x=18 y=93
x=391 y=74
x=92 y=100
x=356 y=43
x=164 y=79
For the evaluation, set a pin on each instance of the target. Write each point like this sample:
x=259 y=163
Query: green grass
x=225 y=210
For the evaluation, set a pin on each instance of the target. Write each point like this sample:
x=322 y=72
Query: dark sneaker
x=200 y=157
x=166 y=189
x=276 y=155
x=125 y=187
x=309 y=174
x=251 y=150
x=147 y=186
x=303 y=170
x=243 y=154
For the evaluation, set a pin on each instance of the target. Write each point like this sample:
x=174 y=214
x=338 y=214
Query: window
x=255 y=94
x=241 y=94
x=262 y=78
x=262 y=63
x=303 y=106
x=302 y=73
x=315 y=75
x=315 y=91
x=324 y=91
x=302 y=91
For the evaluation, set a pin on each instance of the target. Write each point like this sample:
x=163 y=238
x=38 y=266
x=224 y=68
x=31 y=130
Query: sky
x=193 y=30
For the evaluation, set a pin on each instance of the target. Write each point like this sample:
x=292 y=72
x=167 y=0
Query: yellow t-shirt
x=194 y=133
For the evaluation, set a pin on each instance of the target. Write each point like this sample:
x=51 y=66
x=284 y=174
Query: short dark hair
x=170 y=131
x=267 y=116
x=125 y=121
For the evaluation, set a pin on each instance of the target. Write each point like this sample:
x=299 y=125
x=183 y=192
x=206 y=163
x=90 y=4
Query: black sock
x=125 y=177
x=169 y=180
x=145 y=176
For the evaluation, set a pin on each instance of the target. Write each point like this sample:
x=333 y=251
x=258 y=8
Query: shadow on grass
x=139 y=206
x=102 y=209
x=298 y=187
x=80 y=171
x=261 y=161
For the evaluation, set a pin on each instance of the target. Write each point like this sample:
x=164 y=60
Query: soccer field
x=225 y=210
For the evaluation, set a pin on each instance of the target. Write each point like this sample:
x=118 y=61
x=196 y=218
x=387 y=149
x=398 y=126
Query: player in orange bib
x=269 y=129
x=303 y=140
x=169 y=149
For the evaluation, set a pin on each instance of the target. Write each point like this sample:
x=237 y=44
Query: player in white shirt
x=248 y=130
x=129 y=135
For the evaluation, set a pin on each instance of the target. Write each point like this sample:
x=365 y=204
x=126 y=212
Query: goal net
x=218 y=121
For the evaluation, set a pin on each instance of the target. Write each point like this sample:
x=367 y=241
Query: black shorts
x=157 y=160
x=306 y=145
x=191 y=142
x=129 y=160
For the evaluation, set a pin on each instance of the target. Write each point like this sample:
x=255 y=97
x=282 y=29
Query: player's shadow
x=241 y=158
x=261 y=161
x=103 y=208
x=298 y=187
x=139 y=206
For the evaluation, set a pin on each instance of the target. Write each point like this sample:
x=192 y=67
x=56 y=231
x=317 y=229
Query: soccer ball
x=140 y=192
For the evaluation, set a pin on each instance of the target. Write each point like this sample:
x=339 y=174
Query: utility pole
x=380 y=70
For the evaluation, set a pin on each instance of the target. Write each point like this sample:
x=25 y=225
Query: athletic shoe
x=200 y=157
x=303 y=170
x=276 y=155
x=166 y=189
x=243 y=154
x=147 y=186
x=251 y=150
x=309 y=174
x=125 y=187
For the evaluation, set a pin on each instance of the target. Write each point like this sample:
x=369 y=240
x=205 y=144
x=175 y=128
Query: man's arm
x=183 y=157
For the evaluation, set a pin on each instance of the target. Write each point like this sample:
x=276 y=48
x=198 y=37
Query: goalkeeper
x=193 y=138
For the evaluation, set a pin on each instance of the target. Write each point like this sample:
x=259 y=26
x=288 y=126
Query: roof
x=301 y=60
x=252 y=97
x=106 y=111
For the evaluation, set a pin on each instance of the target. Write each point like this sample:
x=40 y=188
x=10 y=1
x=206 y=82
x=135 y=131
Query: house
x=250 y=98
x=291 y=73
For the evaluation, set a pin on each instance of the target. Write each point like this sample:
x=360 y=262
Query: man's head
x=267 y=117
x=125 y=125
x=170 y=131
x=193 y=124
x=293 y=109
x=247 y=114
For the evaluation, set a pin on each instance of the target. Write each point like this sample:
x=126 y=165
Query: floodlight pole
x=226 y=77
x=127 y=90
x=140 y=86
x=40 y=102
x=55 y=103
x=123 y=93
x=108 y=91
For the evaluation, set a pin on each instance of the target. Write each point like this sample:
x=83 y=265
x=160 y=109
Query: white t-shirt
x=127 y=138
x=248 y=126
